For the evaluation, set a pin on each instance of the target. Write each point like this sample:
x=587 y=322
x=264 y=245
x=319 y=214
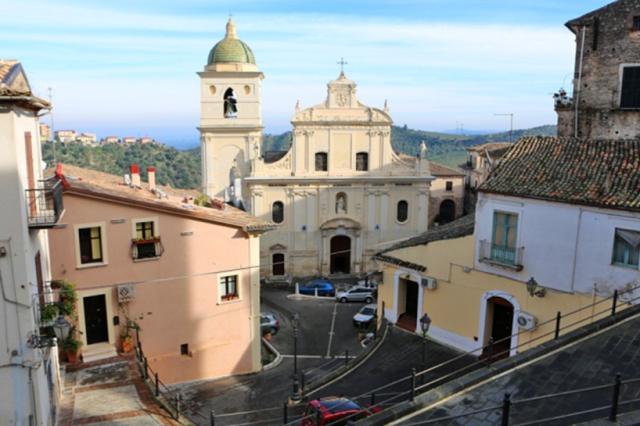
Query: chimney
x=151 y=178
x=135 y=175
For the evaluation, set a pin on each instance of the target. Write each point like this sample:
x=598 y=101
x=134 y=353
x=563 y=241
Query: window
x=362 y=161
x=630 y=97
x=146 y=244
x=321 y=162
x=184 y=349
x=277 y=212
x=635 y=25
x=228 y=288
x=277 y=264
x=505 y=229
x=402 y=213
x=449 y=186
x=90 y=244
x=626 y=248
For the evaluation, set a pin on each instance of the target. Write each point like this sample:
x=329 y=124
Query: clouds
x=136 y=67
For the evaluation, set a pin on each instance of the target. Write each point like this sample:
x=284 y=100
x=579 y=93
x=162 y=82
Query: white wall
x=566 y=247
x=23 y=385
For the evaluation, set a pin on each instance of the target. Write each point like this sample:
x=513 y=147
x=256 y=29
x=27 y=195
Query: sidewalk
x=109 y=392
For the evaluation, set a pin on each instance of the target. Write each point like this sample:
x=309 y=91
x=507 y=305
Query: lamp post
x=61 y=328
x=425 y=322
x=296 y=385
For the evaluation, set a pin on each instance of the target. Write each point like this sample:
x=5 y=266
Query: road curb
x=343 y=371
x=276 y=362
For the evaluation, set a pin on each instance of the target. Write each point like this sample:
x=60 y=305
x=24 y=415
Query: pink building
x=185 y=274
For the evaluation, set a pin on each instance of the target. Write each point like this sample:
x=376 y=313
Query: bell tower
x=230 y=115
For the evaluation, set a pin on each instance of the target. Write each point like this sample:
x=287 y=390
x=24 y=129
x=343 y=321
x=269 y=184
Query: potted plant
x=126 y=339
x=68 y=298
x=48 y=313
x=71 y=346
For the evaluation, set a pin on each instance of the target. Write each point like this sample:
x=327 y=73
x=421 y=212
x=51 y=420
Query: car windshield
x=368 y=311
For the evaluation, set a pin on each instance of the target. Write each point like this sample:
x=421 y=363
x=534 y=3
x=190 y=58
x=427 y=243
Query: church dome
x=231 y=49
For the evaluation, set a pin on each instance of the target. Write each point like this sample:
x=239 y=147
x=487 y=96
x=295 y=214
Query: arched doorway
x=499 y=326
x=340 y=249
x=277 y=264
x=447 y=212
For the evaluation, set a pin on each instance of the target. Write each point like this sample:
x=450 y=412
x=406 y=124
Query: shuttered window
x=630 y=88
x=626 y=248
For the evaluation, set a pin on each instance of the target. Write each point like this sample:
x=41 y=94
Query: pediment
x=341 y=222
x=277 y=247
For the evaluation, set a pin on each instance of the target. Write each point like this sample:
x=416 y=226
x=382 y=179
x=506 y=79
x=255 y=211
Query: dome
x=231 y=49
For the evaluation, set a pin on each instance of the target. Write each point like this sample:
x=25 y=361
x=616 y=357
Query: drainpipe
x=575 y=251
x=579 y=85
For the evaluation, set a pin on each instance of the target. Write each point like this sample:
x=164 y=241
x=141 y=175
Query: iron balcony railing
x=44 y=204
x=495 y=254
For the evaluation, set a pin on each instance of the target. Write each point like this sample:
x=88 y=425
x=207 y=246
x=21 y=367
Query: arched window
x=277 y=264
x=402 y=213
x=230 y=101
x=362 y=161
x=277 y=212
x=321 y=162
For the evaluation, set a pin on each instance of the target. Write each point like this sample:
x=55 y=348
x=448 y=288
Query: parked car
x=323 y=286
x=332 y=410
x=356 y=294
x=269 y=323
x=365 y=316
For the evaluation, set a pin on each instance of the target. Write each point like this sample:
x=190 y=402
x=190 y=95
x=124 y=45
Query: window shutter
x=630 y=88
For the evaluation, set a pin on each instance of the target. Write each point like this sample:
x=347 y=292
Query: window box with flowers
x=146 y=248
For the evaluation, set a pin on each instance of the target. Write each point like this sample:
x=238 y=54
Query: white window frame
x=154 y=219
x=613 y=246
x=103 y=243
x=238 y=275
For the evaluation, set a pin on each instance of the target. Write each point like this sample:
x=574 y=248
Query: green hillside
x=181 y=168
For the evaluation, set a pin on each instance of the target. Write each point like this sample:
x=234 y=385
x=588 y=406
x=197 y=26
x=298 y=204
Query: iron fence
x=44 y=204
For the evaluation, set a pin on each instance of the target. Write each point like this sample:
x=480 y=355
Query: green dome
x=231 y=49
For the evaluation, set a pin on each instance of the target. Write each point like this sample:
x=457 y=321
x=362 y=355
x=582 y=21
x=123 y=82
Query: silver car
x=356 y=294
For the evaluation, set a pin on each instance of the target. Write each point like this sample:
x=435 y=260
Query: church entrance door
x=340 y=249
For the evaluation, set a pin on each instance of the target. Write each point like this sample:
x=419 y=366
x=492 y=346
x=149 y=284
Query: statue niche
x=230 y=101
x=341 y=203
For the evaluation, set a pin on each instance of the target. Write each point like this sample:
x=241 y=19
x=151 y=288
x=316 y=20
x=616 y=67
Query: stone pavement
x=109 y=392
x=589 y=362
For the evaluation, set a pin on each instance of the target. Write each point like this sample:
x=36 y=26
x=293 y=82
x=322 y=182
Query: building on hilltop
x=606 y=83
x=45 y=132
x=29 y=379
x=64 y=136
x=87 y=138
x=482 y=159
x=110 y=139
x=148 y=256
x=339 y=193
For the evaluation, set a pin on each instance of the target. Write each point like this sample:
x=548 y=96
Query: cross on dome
x=342 y=63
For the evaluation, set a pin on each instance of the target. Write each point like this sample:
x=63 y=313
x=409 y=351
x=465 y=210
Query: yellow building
x=434 y=273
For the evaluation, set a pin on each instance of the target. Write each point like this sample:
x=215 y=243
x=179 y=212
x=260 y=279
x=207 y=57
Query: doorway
x=95 y=319
x=277 y=264
x=447 y=212
x=408 y=318
x=500 y=323
x=340 y=249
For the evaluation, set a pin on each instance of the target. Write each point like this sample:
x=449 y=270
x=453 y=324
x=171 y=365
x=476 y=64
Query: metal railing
x=169 y=399
x=44 y=204
x=501 y=255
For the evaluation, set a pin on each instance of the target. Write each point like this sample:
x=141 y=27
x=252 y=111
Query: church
x=338 y=195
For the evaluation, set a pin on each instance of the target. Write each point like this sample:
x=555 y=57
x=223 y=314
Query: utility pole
x=510 y=115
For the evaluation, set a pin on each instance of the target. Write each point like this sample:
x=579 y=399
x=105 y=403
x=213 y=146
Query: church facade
x=338 y=195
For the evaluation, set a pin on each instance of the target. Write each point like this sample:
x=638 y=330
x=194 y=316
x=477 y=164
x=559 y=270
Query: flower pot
x=127 y=344
x=72 y=356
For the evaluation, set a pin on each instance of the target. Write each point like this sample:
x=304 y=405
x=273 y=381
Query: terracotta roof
x=399 y=262
x=438 y=169
x=13 y=83
x=494 y=148
x=601 y=173
x=92 y=183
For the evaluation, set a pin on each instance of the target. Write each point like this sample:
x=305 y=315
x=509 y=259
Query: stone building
x=482 y=159
x=339 y=193
x=606 y=84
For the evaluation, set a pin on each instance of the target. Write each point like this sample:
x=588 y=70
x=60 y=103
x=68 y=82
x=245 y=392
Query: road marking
x=333 y=325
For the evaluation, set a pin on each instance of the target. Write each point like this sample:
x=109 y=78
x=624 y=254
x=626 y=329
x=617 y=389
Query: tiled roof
x=13 y=83
x=83 y=181
x=604 y=9
x=399 y=262
x=438 y=169
x=458 y=228
x=493 y=148
x=601 y=173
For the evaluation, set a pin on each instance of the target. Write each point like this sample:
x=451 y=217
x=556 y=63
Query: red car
x=334 y=411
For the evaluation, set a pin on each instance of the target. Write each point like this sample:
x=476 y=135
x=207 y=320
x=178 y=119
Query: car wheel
x=343 y=300
x=368 y=300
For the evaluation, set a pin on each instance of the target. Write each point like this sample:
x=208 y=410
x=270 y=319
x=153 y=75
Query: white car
x=356 y=294
x=365 y=316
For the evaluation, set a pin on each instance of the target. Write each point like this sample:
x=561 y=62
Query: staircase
x=98 y=351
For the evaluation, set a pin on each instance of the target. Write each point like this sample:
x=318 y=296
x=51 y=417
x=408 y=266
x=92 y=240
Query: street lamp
x=425 y=322
x=61 y=328
x=296 y=385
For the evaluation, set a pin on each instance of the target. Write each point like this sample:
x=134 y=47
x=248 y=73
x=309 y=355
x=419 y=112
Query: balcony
x=44 y=205
x=146 y=248
x=499 y=255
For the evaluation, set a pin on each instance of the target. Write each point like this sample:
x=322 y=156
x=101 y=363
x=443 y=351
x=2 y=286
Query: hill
x=181 y=168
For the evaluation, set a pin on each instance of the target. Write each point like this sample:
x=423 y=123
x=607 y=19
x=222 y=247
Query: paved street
x=591 y=362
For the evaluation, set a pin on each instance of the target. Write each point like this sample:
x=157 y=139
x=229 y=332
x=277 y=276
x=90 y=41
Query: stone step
x=98 y=352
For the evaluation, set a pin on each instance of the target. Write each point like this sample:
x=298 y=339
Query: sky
x=127 y=67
